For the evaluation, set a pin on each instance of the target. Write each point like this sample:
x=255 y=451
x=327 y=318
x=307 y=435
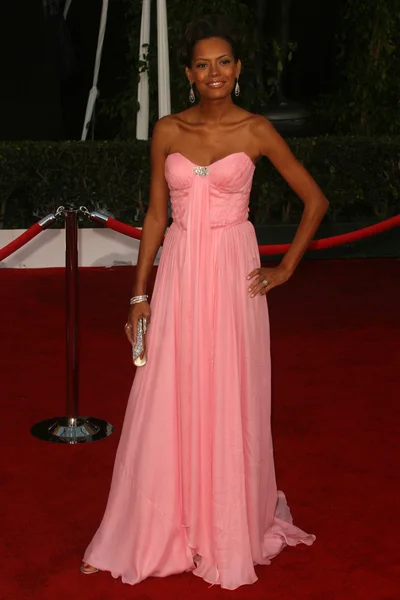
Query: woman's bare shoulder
x=164 y=125
x=170 y=126
x=182 y=117
x=259 y=122
x=165 y=131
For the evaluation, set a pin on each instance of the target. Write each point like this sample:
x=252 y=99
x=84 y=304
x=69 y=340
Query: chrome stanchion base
x=69 y=430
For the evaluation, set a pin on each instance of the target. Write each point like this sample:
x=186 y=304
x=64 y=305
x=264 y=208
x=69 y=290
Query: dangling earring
x=237 y=88
x=192 y=97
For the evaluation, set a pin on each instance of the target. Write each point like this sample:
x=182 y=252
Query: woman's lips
x=215 y=84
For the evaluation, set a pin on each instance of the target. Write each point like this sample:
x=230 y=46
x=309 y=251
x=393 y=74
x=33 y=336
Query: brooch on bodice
x=202 y=171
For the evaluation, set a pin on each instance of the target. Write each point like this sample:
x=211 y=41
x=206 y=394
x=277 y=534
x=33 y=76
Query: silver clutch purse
x=137 y=349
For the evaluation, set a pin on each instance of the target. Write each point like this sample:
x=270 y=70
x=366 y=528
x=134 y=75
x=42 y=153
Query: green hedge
x=361 y=178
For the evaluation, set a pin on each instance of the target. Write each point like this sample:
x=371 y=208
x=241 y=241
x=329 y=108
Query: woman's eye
x=226 y=61
x=201 y=65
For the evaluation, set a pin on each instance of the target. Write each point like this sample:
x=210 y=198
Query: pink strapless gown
x=194 y=485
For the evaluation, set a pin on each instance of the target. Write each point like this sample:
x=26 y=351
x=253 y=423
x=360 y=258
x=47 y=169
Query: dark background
x=47 y=65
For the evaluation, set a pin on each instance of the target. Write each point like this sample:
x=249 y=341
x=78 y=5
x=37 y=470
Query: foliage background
x=361 y=178
x=365 y=96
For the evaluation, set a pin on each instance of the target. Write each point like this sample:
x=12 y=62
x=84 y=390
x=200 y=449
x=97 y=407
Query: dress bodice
x=224 y=185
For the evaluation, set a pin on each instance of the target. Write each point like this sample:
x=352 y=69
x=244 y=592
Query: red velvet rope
x=265 y=250
x=123 y=228
x=20 y=241
x=338 y=240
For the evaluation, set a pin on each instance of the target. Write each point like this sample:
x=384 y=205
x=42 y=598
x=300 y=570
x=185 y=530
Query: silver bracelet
x=138 y=299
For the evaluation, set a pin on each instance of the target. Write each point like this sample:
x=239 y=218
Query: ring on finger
x=265 y=282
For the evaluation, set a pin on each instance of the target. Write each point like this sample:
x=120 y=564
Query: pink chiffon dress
x=194 y=486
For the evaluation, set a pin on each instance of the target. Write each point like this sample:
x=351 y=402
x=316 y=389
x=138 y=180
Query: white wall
x=97 y=248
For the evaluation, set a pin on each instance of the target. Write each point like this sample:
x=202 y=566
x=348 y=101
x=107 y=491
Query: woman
x=194 y=484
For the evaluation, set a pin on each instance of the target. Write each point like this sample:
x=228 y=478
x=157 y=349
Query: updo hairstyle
x=211 y=26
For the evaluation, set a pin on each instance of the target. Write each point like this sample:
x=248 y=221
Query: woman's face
x=214 y=70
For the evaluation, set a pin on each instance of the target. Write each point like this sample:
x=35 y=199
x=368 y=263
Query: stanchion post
x=72 y=429
x=72 y=314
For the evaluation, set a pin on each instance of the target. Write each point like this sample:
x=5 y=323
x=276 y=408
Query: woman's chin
x=219 y=94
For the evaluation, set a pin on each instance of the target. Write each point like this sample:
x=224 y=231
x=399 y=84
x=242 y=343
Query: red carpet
x=336 y=418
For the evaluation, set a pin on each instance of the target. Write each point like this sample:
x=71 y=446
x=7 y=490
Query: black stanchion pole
x=72 y=429
x=72 y=314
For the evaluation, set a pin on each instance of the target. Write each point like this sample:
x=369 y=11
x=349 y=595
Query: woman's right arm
x=156 y=219
x=154 y=226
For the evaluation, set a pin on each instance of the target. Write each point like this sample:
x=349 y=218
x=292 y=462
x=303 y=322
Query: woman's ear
x=238 y=68
x=189 y=75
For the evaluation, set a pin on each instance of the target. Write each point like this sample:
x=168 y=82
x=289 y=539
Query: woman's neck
x=215 y=111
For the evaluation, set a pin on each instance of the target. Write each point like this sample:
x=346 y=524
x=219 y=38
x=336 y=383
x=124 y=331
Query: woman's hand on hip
x=265 y=279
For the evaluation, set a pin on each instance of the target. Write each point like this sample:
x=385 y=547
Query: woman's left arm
x=272 y=145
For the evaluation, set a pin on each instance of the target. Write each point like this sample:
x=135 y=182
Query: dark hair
x=208 y=27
